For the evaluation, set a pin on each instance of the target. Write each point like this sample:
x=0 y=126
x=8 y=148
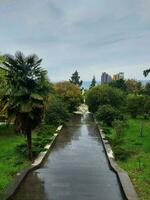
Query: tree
x=146 y=72
x=104 y=94
x=75 y=79
x=3 y=83
x=135 y=105
x=147 y=89
x=93 y=83
x=57 y=111
x=70 y=93
x=108 y=114
x=25 y=100
x=133 y=86
x=120 y=84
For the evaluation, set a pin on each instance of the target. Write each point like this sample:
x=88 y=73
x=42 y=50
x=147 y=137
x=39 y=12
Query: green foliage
x=10 y=161
x=120 y=84
x=147 y=89
x=25 y=100
x=119 y=127
x=108 y=114
x=104 y=94
x=133 y=86
x=93 y=83
x=70 y=94
x=121 y=153
x=57 y=111
x=75 y=79
x=132 y=153
x=135 y=105
x=42 y=136
x=146 y=72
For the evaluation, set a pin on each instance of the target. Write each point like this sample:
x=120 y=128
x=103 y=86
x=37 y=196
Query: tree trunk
x=29 y=140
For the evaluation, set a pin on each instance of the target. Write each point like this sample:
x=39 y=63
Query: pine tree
x=93 y=83
x=75 y=79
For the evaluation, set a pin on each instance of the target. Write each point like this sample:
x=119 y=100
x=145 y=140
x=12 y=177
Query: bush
x=108 y=114
x=119 y=126
x=70 y=93
x=135 y=105
x=44 y=135
x=120 y=153
x=57 y=112
x=104 y=94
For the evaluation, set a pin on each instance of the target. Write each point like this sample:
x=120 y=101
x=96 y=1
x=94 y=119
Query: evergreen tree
x=75 y=79
x=93 y=83
x=146 y=72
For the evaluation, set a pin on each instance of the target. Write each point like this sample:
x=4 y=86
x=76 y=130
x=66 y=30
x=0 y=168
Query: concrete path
x=76 y=169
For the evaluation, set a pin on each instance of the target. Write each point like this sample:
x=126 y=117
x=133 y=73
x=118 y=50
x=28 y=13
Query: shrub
x=146 y=105
x=108 y=114
x=104 y=94
x=44 y=135
x=135 y=105
x=119 y=126
x=70 y=93
x=120 y=153
x=57 y=112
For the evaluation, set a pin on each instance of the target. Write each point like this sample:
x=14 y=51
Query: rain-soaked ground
x=76 y=168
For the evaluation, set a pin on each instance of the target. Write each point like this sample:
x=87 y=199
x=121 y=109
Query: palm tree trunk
x=29 y=140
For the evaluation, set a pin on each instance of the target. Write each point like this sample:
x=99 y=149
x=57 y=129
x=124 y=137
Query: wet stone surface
x=76 y=169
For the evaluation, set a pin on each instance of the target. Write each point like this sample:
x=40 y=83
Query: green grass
x=11 y=160
x=138 y=163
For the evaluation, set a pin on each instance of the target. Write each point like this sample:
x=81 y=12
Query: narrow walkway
x=76 y=168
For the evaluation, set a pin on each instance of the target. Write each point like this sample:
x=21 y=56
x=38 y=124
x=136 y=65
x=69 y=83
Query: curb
x=14 y=185
x=123 y=178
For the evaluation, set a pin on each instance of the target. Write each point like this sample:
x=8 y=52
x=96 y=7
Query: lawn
x=138 y=163
x=11 y=160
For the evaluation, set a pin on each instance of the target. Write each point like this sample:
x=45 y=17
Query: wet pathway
x=76 y=168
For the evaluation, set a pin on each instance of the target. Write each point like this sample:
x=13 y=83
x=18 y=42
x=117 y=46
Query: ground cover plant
x=14 y=151
x=132 y=151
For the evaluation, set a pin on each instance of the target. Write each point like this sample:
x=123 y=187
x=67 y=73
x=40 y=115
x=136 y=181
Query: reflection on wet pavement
x=76 y=168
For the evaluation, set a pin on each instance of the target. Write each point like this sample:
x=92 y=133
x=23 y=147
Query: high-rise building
x=118 y=76
x=105 y=78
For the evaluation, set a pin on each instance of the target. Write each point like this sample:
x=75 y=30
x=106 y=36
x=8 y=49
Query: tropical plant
x=25 y=100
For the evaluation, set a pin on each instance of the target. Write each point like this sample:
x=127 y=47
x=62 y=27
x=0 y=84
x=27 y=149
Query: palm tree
x=25 y=100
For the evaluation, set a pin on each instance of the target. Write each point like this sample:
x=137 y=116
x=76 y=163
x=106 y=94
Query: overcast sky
x=91 y=36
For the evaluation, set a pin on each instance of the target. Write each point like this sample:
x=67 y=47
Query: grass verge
x=137 y=162
x=13 y=151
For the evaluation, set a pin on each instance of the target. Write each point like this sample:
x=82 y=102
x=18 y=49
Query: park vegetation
x=122 y=108
x=31 y=108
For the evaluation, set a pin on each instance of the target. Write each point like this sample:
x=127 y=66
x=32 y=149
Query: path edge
x=20 y=176
x=123 y=178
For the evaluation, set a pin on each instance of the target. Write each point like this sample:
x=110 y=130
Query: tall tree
x=25 y=100
x=120 y=84
x=133 y=86
x=146 y=72
x=93 y=83
x=75 y=79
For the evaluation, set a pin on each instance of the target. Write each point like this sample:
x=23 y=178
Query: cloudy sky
x=91 y=36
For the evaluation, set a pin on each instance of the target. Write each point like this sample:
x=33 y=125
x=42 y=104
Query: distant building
x=105 y=78
x=118 y=76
